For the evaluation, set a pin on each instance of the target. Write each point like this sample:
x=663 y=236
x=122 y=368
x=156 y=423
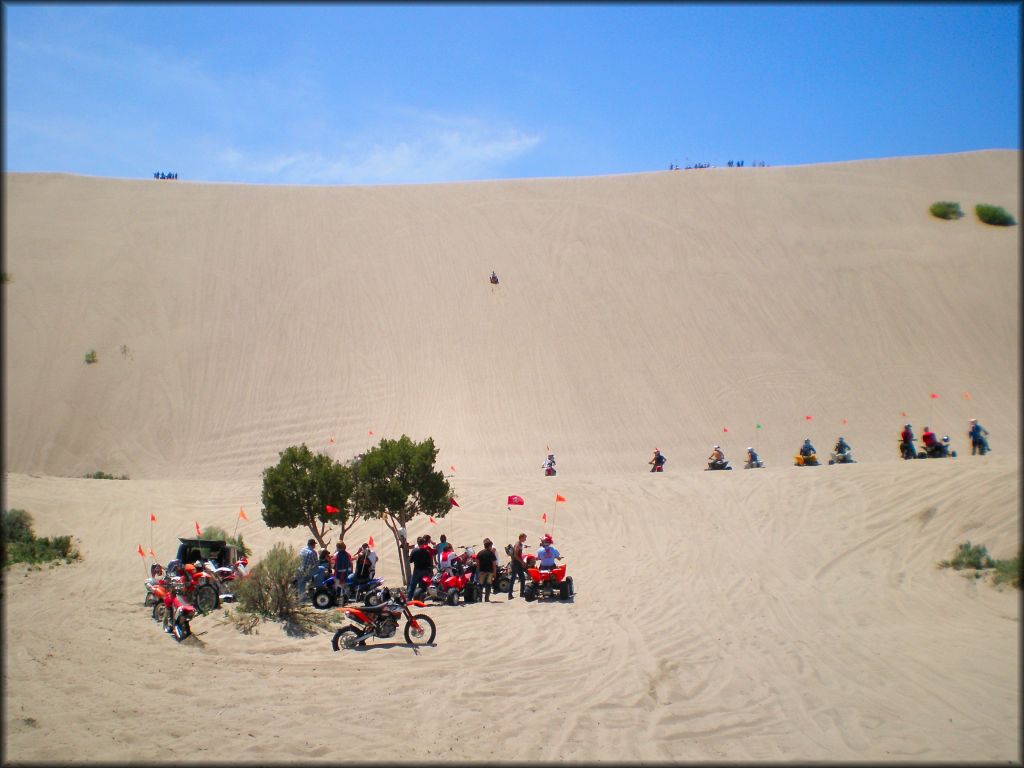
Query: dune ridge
x=777 y=615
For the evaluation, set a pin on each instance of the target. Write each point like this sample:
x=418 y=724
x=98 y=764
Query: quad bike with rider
x=547 y=582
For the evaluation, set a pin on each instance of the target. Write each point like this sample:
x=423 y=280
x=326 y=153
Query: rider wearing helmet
x=547 y=554
x=929 y=440
x=753 y=460
x=807 y=449
x=549 y=464
x=657 y=462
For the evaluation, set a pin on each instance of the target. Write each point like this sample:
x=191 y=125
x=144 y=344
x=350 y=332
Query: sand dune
x=785 y=614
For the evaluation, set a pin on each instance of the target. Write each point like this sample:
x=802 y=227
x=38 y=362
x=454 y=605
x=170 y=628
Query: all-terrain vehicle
x=547 y=583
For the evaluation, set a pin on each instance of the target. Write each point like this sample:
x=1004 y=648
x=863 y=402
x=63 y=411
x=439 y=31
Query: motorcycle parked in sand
x=382 y=621
x=178 y=613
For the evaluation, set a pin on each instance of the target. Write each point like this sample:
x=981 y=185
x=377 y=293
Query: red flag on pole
x=433 y=521
x=151 y=553
x=241 y=513
x=809 y=418
x=369 y=432
x=903 y=414
x=967 y=395
x=844 y=421
x=544 y=517
x=454 y=502
x=141 y=553
x=515 y=501
x=198 y=532
x=332 y=438
x=725 y=429
x=934 y=396
x=451 y=467
x=331 y=510
x=559 y=497
x=152 y=517
x=370 y=542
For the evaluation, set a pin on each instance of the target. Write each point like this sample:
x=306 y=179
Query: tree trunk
x=401 y=545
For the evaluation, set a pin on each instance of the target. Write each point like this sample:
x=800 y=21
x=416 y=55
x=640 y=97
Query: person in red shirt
x=929 y=440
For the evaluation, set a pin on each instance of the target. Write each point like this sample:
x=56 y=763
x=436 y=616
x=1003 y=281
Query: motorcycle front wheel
x=424 y=634
x=345 y=639
x=181 y=630
x=158 y=612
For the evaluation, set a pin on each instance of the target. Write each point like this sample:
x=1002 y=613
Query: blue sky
x=395 y=94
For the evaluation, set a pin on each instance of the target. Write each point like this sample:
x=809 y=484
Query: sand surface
x=784 y=614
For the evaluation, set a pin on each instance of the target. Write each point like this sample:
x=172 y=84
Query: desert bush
x=993 y=214
x=946 y=210
x=22 y=546
x=17 y=525
x=1008 y=572
x=90 y=356
x=968 y=556
x=99 y=474
x=268 y=592
x=216 y=533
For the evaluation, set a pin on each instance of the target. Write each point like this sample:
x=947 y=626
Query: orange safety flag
x=241 y=513
x=903 y=414
x=152 y=517
x=152 y=553
x=141 y=553
x=370 y=542
x=559 y=497
x=844 y=421
x=198 y=532
x=967 y=395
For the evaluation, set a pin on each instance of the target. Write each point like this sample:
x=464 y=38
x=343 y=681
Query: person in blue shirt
x=978 y=441
x=342 y=568
x=308 y=561
x=547 y=554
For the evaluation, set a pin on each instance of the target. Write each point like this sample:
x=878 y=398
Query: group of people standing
x=340 y=564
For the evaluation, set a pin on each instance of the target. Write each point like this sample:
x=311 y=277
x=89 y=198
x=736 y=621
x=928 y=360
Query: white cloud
x=437 y=149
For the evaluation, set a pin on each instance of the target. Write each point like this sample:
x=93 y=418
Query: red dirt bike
x=547 y=582
x=200 y=589
x=382 y=621
x=177 y=614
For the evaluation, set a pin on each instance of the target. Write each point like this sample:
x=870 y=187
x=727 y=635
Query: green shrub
x=993 y=214
x=22 y=546
x=268 y=591
x=216 y=533
x=17 y=525
x=269 y=588
x=1008 y=572
x=946 y=210
x=6 y=278
x=968 y=556
x=90 y=356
